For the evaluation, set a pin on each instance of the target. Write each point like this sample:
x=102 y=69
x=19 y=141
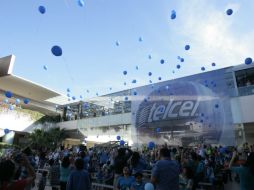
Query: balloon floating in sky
x=135 y=93
x=173 y=14
x=229 y=12
x=182 y=59
x=56 y=50
x=81 y=3
x=73 y=98
x=125 y=72
x=149 y=57
x=110 y=88
x=150 y=81
x=81 y=97
x=68 y=90
x=216 y=105
x=136 y=67
x=45 y=67
x=150 y=74
x=187 y=47
x=124 y=83
x=17 y=101
x=178 y=66
x=126 y=98
x=162 y=61
x=87 y=91
x=248 y=61
x=6 y=131
x=202 y=68
x=134 y=81
x=140 y=39
x=122 y=142
x=97 y=94
x=26 y=101
x=8 y=94
x=159 y=78
x=118 y=138
x=213 y=64
x=42 y=9
x=117 y=43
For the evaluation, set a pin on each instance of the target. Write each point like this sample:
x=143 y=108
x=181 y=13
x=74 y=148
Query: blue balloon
x=216 y=105
x=136 y=67
x=162 y=61
x=122 y=142
x=134 y=81
x=56 y=50
x=248 y=61
x=135 y=93
x=126 y=98
x=73 y=98
x=173 y=14
x=202 y=68
x=159 y=78
x=229 y=12
x=8 y=94
x=6 y=131
x=42 y=9
x=110 y=88
x=187 y=47
x=97 y=94
x=150 y=81
x=87 y=91
x=118 y=138
x=149 y=186
x=69 y=99
x=45 y=67
x=11 y=107
x=68 y=95
x=151 y=145
x=213 y=64
x=182 y=59
x=81 y=97
x=117 y=43
x=150 y=74
x=140 y=39
x=17 y=101
x=178 y=66
x=149 y=57
x=81 y=3
x=68 y=90
x=26 y=101
x=178 y=57
x=125 y=72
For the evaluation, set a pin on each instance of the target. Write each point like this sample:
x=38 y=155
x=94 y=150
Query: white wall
x=243 y=109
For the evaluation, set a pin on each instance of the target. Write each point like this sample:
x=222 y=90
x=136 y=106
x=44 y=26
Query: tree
x=49 y=139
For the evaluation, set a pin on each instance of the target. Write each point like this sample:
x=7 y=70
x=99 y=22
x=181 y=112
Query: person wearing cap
x=165 y=173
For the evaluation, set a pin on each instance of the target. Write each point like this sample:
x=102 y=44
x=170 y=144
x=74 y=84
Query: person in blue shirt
x=137 y=163
x=79 y=178
x=138 y=184
x=165 y=173
x=65 y=170
x=124 y=182
x=246 y=172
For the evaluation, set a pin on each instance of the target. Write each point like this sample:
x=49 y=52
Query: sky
x=92 y=61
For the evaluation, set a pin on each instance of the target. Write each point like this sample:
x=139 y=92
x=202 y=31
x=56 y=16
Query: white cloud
x=212 y=34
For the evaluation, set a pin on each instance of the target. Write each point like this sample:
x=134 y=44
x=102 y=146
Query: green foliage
x=49 y=139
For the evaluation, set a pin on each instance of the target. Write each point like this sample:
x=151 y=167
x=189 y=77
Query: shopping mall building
x=210 y=107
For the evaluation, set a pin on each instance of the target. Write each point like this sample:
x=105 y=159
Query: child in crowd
x=124 y=182
x=138 y=184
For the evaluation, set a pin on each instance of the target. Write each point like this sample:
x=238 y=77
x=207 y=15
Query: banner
x=185 y=111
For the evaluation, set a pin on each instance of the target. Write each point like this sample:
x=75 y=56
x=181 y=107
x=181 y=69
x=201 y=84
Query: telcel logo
x=174 y=109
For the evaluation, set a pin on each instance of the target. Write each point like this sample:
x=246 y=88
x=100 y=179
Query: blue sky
x=87 y=35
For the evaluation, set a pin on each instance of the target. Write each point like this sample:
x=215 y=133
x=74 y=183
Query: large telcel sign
x=184 y=111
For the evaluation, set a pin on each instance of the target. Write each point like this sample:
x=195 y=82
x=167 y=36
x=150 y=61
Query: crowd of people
x=122 y=168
